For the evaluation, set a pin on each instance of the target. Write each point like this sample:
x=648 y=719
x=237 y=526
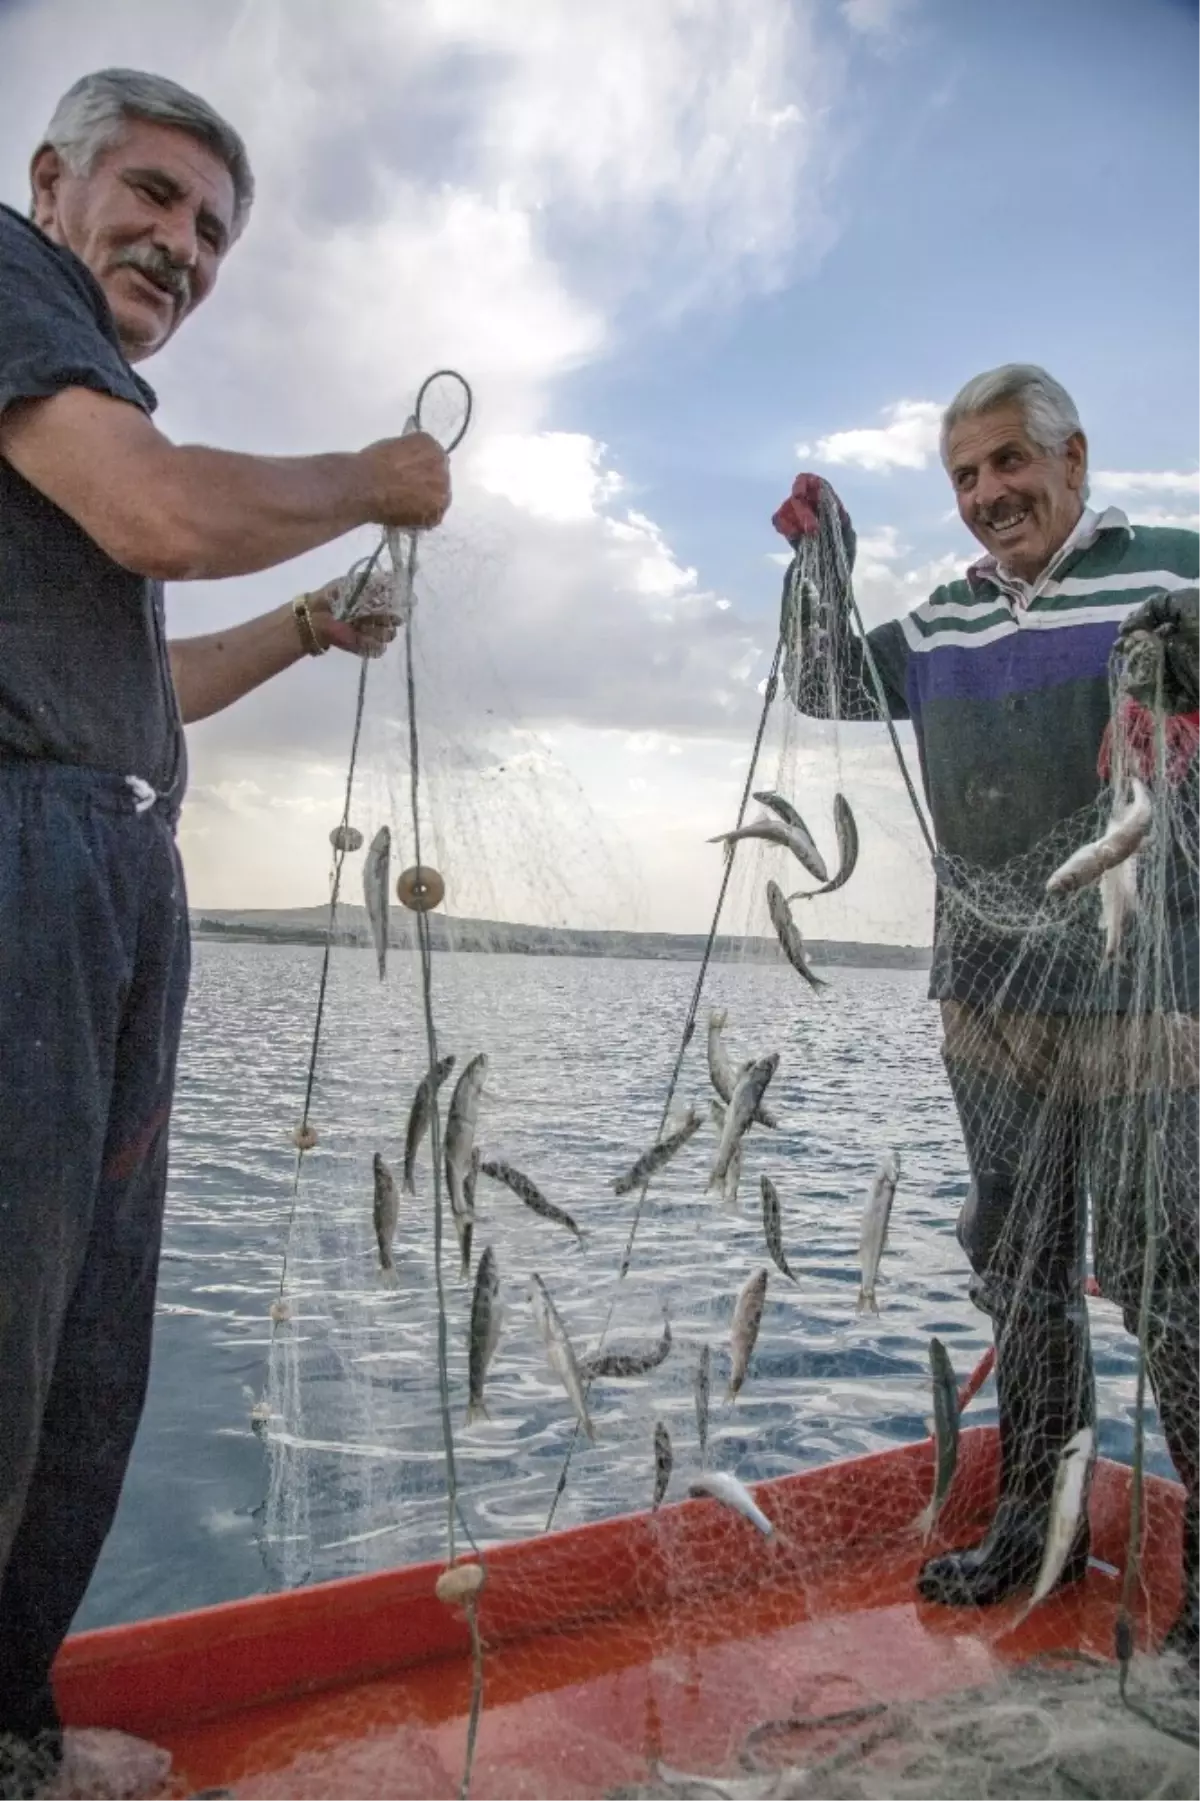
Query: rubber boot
x=1044 y=1394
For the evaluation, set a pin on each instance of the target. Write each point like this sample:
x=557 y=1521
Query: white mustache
x=159 y=270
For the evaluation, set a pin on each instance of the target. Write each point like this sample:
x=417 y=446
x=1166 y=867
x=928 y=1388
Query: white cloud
x=502 y=189
x=907 y=441
x=1146 y=481
x=879 y=546
x=876 y=20
x=887 y=590
x=551 y=475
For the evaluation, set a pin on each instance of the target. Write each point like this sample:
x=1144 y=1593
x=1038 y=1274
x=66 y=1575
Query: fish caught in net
x=577 y=1234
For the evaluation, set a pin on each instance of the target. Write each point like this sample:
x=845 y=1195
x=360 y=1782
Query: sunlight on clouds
x=445 y=182
x=1142 y=481
x=550 y=475
x=907 y=441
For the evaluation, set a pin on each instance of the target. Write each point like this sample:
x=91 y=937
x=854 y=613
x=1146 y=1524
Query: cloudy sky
x=681 y=250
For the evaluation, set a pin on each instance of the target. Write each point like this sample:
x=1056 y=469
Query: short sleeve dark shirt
x=84 y=672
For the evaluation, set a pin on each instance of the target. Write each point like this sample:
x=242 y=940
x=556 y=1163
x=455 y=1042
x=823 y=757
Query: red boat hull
x=654 y=1636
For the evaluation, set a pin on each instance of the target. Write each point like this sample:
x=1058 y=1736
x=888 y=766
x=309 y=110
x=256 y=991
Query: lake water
x=351 y=1474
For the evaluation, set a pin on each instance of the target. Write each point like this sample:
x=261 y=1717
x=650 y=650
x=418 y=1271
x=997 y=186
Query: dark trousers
x=94 y=963
x=1055 y=1110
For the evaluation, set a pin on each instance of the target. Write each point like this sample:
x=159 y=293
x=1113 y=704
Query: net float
x=420 y=889
x=346 y=837
x=304 y=1138
x=460 y=1583
x=280 y=1312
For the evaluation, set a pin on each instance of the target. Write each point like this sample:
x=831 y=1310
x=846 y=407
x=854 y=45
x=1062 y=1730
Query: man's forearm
x=240 y=514
x=213 y=671
x=187 y=513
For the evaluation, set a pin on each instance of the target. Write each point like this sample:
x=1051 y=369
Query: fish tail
x=387 y=1275
x=477 y=1411
x=408 y=1186
x=923 y=1524
x=866 y=1301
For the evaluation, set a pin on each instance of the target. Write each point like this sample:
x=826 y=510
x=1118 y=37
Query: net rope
x=1074 y=1068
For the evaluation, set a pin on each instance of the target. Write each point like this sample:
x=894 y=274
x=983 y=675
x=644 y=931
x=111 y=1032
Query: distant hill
x=307 y=925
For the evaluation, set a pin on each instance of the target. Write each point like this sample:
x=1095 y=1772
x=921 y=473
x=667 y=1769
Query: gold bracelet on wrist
x=307 y=630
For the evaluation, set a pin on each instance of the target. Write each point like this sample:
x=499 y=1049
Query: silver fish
x=527 y=1191
x=621 y=1363
x=703 y=1389
x=716 y=1486
x=486 y=1320
x=460 y=1138
x=471 y=1178
x=945 y=1433
x=748 y=1091
x=663 y=1462
x=418 y=1121
x=847 y=841
x=720 y=1070
x=1118 y=903
x=375 y=892
x=559 y=1354
x=789 y=936
x=386 y=1213
x=651 y=1161
x=774 y=831
x=1068 y=1504
x=1127 y=832
x=685 y=1783
x=733 y=1175
x=873 y=1237
x=773 y=1227
x=743 y=1335
x=813 y=861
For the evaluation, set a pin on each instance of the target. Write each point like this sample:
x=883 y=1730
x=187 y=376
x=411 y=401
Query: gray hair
x=1051 y=416
x=90 y=115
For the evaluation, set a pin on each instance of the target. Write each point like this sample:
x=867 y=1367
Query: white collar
x=1086 y=530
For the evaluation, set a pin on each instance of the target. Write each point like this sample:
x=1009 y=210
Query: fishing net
x=702 y=1313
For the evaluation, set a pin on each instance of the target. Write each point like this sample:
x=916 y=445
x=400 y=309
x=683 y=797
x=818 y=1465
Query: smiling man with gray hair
x=140 y=190
x=1004 y=675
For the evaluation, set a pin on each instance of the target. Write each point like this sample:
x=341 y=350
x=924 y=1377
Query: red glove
x=800 y=515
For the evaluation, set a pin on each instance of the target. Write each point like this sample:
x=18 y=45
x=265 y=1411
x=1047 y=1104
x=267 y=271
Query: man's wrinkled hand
x=406 y=481
x=373 y=625
x=1172 y=622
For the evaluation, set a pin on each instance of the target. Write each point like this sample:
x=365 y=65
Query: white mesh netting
x=603 y=1350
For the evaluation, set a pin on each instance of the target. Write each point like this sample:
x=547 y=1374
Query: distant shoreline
x=307 y=925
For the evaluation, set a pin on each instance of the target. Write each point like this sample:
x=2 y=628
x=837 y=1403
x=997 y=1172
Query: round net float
x=346 y=837
x=280 y=1312
x=304 y=1138
x=460 y=1583
x=260 y=1416
x=420 y=889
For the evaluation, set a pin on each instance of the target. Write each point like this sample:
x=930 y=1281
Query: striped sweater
x=1009 y=704
x=1008 y=690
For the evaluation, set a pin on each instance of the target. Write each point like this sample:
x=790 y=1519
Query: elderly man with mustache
x=1005 y=677
x=140 y=191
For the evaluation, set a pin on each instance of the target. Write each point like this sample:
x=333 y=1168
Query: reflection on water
x=579 y=1052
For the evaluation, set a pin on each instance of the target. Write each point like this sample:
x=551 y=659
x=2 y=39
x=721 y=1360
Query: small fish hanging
x=375 y=893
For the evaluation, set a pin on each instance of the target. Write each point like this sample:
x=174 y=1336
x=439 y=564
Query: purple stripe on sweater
x=1022 y=662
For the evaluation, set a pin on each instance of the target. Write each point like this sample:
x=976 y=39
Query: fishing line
x=340 y=854
x=1124 y=1631
x=688 y=1030
x=435 y=1140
